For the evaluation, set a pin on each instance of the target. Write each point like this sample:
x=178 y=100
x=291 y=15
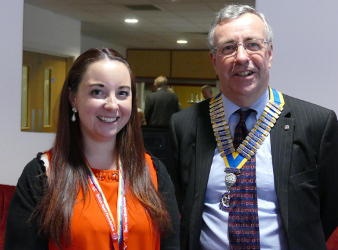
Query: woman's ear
x=72 y=98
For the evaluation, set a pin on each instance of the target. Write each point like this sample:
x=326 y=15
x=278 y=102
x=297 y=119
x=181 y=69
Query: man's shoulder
x=201 y=108
x=165 y=92
x=158 y=93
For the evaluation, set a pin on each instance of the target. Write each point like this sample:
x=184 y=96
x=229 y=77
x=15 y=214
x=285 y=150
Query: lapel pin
x=286 y=127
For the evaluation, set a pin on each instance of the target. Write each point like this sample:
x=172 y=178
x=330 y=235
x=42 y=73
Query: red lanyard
x=120 y=231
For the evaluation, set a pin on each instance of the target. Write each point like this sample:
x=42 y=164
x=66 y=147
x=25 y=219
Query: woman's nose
x=110 y=102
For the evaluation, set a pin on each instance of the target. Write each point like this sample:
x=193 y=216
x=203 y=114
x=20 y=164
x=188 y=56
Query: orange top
x=89 y=228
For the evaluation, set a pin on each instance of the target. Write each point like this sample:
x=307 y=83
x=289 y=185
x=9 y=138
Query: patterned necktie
x=243 y=224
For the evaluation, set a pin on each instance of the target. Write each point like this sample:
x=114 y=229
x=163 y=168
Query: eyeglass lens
x=253 y=45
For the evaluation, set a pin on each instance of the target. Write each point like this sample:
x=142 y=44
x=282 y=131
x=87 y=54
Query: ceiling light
x=131 y=20
x=181 y=41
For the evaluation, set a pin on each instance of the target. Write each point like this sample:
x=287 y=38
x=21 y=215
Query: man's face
x=243 y=75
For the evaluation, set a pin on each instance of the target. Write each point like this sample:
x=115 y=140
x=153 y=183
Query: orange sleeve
x=152 y=170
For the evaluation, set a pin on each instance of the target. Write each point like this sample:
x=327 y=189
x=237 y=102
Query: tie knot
x=241 y=130
x=243 y=114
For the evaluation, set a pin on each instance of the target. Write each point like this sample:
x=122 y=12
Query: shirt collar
x=258 y=106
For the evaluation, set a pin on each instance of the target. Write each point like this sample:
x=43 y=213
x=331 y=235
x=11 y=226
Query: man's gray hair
x=231 y=12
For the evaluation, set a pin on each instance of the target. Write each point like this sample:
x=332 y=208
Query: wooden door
x=43 y=78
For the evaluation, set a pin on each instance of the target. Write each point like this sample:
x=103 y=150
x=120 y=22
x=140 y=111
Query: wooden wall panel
x=149 y=63
x=192 y=64
x=187 y=94
x=188 y=64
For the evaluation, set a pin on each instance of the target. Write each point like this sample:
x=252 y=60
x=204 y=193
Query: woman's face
x=103 y=100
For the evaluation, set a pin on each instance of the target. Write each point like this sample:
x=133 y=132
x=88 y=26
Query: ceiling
x=161 y=22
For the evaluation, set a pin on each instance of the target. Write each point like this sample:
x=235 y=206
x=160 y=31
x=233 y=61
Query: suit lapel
x=281 y=150
x=205 y=146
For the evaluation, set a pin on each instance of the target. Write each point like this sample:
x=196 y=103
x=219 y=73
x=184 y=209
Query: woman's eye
x=123 y=93
x=98 y=93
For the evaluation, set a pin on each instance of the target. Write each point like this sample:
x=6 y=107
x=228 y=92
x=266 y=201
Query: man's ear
x=212 y=58
x=270 y=55
x=213 y=61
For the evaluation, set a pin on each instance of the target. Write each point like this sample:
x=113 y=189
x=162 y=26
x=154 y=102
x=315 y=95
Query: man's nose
x=241 y=53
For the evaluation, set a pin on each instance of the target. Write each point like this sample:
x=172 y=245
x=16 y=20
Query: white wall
x=88 y=42
x=16 y=148
x=47 y=32
x=305 y=48
x=43 y=32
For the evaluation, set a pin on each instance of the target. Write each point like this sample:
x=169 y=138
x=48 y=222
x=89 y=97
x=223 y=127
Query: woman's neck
x=101 y=155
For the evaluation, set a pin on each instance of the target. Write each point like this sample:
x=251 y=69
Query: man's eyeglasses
x=251 y=46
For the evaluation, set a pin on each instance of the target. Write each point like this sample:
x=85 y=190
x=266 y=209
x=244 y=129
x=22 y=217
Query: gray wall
x=305 y=52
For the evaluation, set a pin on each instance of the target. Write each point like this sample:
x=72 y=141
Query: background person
x=206 y=91
x=289 y=156
x=95 y=188
x=161 y=104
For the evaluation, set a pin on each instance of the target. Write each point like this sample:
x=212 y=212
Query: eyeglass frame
x=237 y=44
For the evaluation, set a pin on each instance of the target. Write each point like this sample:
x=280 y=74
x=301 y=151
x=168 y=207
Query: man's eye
x=229 y=48
x=253 y=46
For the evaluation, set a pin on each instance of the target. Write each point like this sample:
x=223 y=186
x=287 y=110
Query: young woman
x=96 y=188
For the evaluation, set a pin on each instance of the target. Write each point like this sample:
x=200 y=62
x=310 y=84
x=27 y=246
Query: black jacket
x=159 y=106
x=304 y=148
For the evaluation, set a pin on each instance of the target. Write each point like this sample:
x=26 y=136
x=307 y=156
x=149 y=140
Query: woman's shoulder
x=155 y=164
x=33 y=176
x=36 y=166
x=162 y=176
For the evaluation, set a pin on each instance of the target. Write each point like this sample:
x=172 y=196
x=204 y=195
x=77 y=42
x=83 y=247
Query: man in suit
x=294 y=145
x=161 y=104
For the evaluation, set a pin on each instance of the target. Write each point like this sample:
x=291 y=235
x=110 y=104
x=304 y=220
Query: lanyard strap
x=120 y=231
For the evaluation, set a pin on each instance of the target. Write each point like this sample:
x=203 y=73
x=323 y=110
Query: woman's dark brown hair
x=68 y=174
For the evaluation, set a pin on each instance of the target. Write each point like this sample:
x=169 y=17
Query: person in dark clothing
x=206 y=91
x=161 y=104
